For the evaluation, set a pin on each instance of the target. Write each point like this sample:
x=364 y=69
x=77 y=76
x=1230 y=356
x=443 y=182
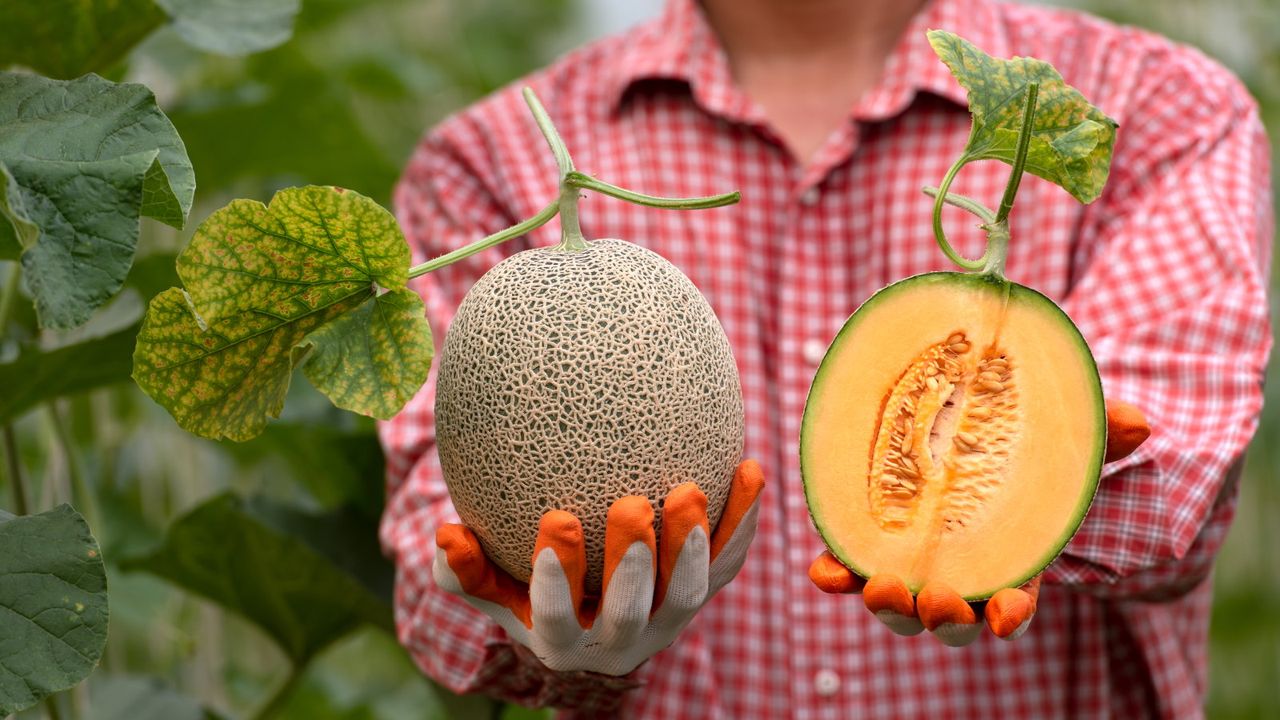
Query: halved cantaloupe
x=955 y=433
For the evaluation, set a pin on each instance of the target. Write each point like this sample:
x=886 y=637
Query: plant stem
x=939 y=235
x=1020 y=157
x=51 y=707
x=85 y=501
x=964 y=203
x=570 y=230
x=20 y=504
x=9 y=295
x=586 y=182
x=548 y=128
x=497 y=238
x=280 y=697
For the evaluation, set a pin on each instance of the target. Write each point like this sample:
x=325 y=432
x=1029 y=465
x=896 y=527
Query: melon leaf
x=232 y=27
x=300 y=578
x=53 y=605
x=68 y=38
x=1071 y=140
x=373 y=360
x=85 y=160
x=269 y=287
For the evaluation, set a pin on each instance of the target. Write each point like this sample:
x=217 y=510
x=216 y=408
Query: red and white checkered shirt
x=1165 y=275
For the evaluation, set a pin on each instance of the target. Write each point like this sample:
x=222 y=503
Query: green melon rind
x=1017 y=293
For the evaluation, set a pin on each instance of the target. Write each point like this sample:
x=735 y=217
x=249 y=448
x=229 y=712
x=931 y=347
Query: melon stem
x=996 y=225
x=566 y=203
x=542 y=218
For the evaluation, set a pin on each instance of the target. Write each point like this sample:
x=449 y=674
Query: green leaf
x=68 y=38
x=373 y=360
x=224 y=551
x=337 y=467
x=232 y=27
x=88 y=158
x=1072 y=140
x=295 y=122
x=263 y=285
x=53 y=606
x=36 y=376
x=18 y=232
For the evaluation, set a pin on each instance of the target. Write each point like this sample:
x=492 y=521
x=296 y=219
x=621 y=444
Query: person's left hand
x=941 y=610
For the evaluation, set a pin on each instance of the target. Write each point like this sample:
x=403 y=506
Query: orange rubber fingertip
x=684 y=510
x=888 y=592
x=831 y=576
x=1127 y=428
x=938 y=604
x=1007 y=610
x=748 y=483
x=630 y=520
x=562 y=532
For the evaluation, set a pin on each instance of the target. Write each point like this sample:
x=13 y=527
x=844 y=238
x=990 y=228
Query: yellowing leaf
x=269 y=287
x=374 y=359
x=318 y=241
x=1072 y=140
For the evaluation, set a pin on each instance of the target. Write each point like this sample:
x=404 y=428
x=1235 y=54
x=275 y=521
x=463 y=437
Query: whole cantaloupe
x=569 y=379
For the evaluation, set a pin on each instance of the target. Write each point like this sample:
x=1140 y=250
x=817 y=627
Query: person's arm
x=444 y=202
x=1173 y=304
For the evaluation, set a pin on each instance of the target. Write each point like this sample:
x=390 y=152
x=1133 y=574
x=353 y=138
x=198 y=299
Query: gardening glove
x=939 y=609
x=651 y=589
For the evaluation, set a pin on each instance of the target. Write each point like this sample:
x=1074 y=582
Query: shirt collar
x=680 y=45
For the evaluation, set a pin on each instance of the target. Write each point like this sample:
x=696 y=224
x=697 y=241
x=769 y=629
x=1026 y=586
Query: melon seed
x=955 y=338
x=969 y=438
x=932 y=382
x=907 y=441
x=990 y=385
x=959 y=348
x=980 y=413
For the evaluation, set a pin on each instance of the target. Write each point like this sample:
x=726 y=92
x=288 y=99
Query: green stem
x=570 y=230
x=586 y=182
x=548 y=128
x=515 y=231
x=939 y=235
x=16 y=483
x=964 y=203
x=997 y=227
x=280 y=697
x=51 y=708
x=9 y=295
x=1020 y=157
x=85 y=501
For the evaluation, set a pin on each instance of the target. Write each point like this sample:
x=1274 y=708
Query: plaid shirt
x=1165 y=275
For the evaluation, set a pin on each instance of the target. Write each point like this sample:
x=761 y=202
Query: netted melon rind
x=570 y=379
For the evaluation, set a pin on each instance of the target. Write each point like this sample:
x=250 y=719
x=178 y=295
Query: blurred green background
x=343 y=103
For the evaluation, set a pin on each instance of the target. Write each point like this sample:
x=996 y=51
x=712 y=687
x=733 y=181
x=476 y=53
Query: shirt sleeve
x=1172 y=300
x=443 y=202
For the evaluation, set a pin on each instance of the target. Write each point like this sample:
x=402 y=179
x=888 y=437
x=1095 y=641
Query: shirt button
x=809 y=197
x=814 y=350
x=826 y=682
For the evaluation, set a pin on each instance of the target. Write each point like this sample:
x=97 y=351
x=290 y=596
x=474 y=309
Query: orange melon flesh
x=1001 y=398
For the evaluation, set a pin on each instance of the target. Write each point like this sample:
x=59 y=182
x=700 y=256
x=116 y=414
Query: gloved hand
x=651 y=590
x=941 y=610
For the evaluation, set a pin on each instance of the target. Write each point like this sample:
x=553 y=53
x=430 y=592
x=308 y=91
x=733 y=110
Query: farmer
x=830 y=116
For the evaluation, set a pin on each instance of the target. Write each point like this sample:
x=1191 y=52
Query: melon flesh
x=568 y=380
x=954 y=433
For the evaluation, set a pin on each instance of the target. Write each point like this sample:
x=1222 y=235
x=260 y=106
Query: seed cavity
x=945 y=437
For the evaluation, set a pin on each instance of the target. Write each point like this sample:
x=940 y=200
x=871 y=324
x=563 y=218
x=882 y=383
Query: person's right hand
x=651 y=590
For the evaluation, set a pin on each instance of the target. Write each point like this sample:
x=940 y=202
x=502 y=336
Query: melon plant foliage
x=317 y=278
x=53 y=605
x=82 y=160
